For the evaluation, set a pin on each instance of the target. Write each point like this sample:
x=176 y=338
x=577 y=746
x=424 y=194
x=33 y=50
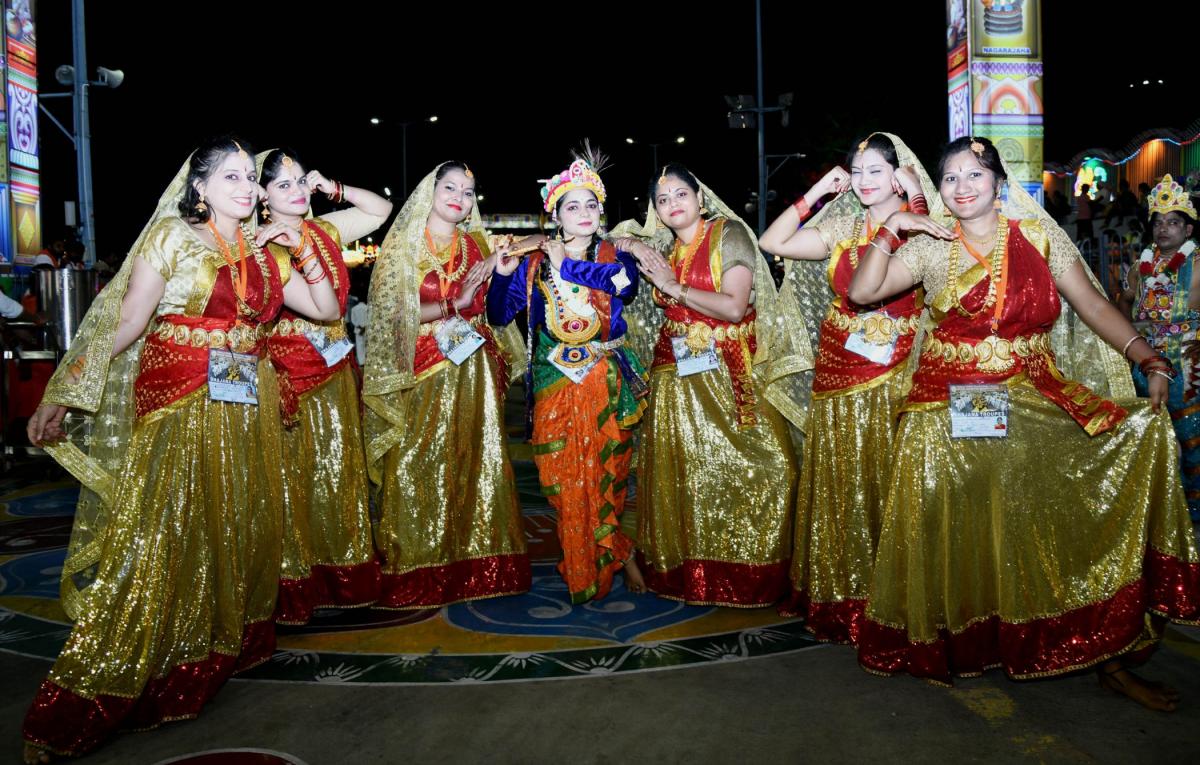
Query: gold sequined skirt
x=191 y=554
x=326 y=518
x=447 y=498
x=844 y=479
x=714 y=503
x=1045 y=545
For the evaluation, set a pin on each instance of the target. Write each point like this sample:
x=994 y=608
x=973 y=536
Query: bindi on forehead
x=966 y=161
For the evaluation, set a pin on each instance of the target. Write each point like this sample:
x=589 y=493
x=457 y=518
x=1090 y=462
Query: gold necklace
x=860 y=222
x=996 y=275
x=689 y=252
x=445 y=276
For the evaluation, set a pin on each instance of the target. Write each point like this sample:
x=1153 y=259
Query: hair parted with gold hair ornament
x=287 y=161
x=467 y=171
x=977 y=148
x=862 y=145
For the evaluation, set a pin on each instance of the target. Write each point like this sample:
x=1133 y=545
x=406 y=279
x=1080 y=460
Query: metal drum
x=64 y=296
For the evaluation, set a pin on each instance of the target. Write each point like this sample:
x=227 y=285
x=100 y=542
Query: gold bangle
x=875 y=244
x=683 y=293
x=1125 y=350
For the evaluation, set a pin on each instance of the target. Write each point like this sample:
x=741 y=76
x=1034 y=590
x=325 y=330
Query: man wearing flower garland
x=1164 y=298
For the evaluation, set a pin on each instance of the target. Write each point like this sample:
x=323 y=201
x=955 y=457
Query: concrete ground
x=812 y=706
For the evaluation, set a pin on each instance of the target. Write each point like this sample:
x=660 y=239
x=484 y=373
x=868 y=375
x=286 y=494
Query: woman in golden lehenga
x=328 y=555
x=434 y=384
x=178 y=524
x=587 y=390
x=1064 y=541
x=716 y=472
x=862 y=372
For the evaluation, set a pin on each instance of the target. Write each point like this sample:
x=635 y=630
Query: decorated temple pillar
x=994 y=67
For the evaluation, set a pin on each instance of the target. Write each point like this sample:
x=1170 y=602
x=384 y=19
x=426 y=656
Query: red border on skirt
x=327 y=587
x=833 y=622
x=436 y=586
x=1052 y=645
x=718 y=583
x=67 y=723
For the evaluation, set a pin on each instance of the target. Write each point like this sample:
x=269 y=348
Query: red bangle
x=337 y=194
x=802 y=208
x=918 y=205
x=1157 y=362
x=320 y=278
x=885 y=235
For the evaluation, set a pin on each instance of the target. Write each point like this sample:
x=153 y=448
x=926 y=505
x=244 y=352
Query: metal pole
x=83 y=134
x=48 y=115
x=762 y=139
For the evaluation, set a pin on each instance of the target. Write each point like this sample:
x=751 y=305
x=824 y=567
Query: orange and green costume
x=587 y=394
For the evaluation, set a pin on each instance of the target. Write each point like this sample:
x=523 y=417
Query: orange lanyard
x=446 y=272
x=235 y=266
x=1002 y=287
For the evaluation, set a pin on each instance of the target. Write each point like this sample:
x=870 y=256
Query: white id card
x=688 y=362
x=232 y=376
x=979 y=411
x=332 y=351
x=876 y=341
x=574 y=361
x=857 y=343
x=457 y=339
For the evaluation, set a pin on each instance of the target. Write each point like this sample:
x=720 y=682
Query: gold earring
x=266 y=212
x=200 y=206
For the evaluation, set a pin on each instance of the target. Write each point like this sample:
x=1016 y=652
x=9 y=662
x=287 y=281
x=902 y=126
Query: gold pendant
x=879 y=329
x=699 y=337
x=994 y=355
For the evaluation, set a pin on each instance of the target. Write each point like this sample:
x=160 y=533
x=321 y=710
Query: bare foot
x=35 y=755
x=1149 y=694
x=634 y=581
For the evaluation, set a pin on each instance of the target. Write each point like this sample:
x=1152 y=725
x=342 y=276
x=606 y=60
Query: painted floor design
x=536 y=636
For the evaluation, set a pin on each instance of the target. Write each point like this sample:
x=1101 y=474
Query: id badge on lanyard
x=457 y=339
x=689 y=361
x=870 y=343
x=332 y=351
x=979 y=411
x=232 y=376
x=574 y=361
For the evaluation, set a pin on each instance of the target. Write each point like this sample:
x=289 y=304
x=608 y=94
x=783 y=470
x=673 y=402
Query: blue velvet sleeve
x=599 y=276
x=506 y=295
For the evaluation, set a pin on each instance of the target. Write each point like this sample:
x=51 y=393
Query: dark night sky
x=516 y=89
